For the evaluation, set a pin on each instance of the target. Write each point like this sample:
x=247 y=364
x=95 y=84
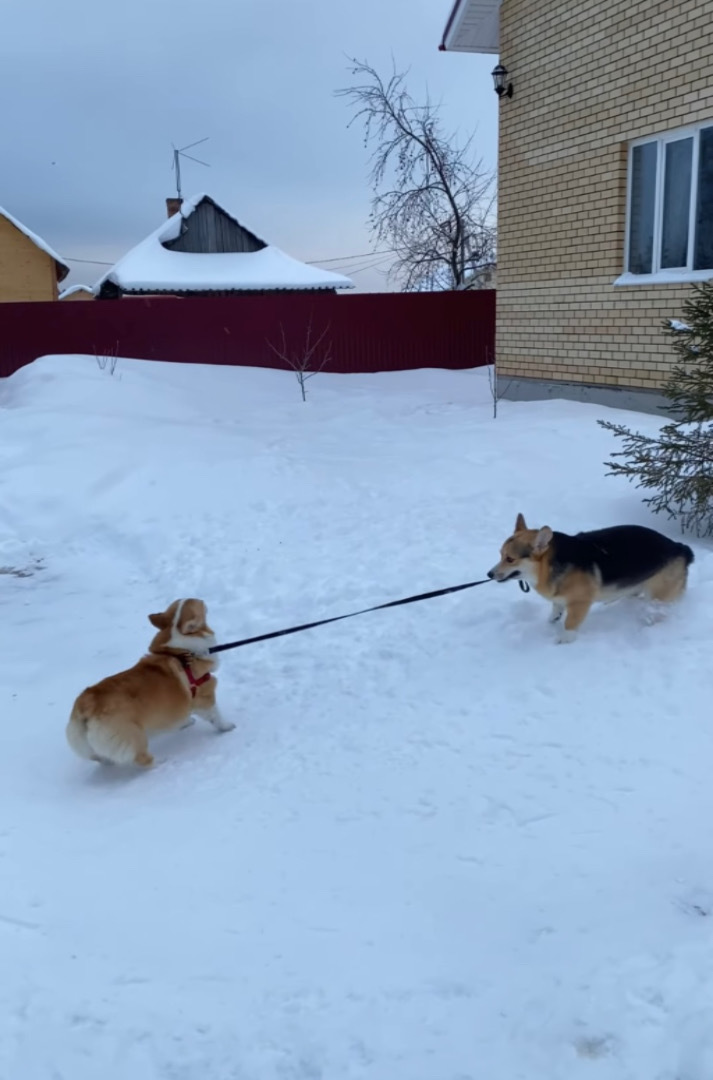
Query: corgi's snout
x=503 y=573
x=497 y=574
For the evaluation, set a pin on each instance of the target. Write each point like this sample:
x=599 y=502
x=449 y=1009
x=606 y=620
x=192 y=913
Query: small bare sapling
x=307 y=360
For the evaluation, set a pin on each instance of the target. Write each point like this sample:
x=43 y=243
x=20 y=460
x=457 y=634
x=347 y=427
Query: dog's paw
x=224 y=727
x=566 y=637
x=189 y=723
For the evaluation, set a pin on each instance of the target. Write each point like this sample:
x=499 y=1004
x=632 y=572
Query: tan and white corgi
x=602 y=565
x=111 y=721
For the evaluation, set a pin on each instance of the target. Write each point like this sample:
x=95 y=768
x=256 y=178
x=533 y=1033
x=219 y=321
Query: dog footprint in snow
x=595 y=1046
x=697 y=902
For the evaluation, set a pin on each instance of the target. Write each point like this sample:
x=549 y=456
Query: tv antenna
x=178 y=153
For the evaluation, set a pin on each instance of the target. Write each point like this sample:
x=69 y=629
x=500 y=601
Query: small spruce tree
x=677 y=464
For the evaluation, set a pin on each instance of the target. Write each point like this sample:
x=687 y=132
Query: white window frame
x=668 y=275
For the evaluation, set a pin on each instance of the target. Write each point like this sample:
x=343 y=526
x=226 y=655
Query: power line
x=345 y=258
x=309 y=262
x=366 y=266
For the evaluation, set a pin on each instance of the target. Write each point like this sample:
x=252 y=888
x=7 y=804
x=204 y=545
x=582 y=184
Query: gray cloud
x=95 y=94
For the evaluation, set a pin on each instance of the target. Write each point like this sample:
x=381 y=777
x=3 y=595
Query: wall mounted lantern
x=503 y=88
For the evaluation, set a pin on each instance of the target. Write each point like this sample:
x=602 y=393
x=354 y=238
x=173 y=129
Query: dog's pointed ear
x=542 y=540
x=159 y=621
x=520 y=525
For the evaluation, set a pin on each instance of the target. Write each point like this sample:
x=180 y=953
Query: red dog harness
x=194 y=683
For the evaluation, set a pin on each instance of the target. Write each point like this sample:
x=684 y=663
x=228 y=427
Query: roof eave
x=181 y=290
x=483 y=34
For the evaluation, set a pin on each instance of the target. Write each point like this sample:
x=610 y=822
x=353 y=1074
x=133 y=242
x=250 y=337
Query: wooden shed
x=202 y=250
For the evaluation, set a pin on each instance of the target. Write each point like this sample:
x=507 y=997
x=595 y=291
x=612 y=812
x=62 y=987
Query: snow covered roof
x=74 y=289
x=62 y=269
x=152 y=267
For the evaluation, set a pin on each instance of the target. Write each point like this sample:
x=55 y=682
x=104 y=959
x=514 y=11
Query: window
x=670 y=207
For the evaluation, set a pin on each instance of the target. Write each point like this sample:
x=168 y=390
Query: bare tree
x=433 y=201
x=309 y=359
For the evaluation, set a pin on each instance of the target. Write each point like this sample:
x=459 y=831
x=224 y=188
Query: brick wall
x=26 y=272
x=588 y=77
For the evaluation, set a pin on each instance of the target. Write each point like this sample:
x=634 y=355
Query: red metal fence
x=364 y=332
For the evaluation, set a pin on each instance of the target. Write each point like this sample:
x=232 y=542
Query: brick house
x=29 y=269
x=605 y=186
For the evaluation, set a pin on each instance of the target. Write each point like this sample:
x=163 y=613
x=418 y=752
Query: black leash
x=365 y=611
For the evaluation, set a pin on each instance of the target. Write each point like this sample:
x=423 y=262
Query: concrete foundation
x=613 y=397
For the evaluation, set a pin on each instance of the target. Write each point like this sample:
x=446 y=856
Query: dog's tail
x=77 y=734
x=95 y=740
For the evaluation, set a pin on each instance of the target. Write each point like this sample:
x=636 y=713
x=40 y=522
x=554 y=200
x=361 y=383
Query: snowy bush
x=677 y=464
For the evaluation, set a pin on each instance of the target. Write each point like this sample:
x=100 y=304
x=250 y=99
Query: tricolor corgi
x=111 y=721
x=603 y=565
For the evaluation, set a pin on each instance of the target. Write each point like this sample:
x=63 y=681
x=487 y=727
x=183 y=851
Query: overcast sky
x=93 y=95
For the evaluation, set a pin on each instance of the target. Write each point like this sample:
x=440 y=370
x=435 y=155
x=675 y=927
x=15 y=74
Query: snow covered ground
x=437 y=846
